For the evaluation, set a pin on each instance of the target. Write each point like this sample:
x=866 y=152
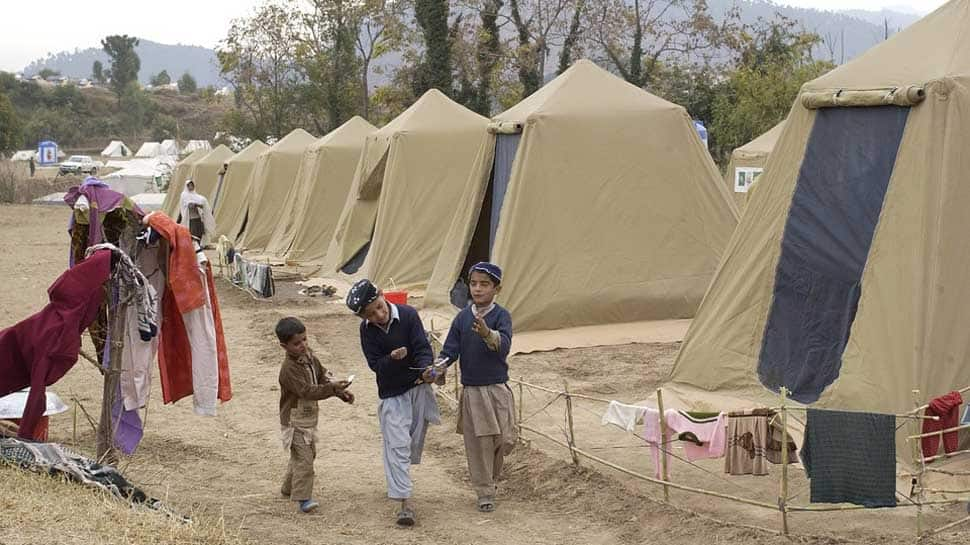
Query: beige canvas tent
x=601 y=204
x=230 y=197
x=205 y=171
x=272 y=179
x=748 y=162
x=846 y=279
x=317 y=198
x=182 y=172
x=406 y=188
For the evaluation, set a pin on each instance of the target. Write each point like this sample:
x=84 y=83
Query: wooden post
x=112 y=379
x=918 y=479
x=783 y=495
x=663 y=444
x=569 y=420
x=521 y=403
x=74 y=433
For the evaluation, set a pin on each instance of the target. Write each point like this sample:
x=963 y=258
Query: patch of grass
x=37 y=508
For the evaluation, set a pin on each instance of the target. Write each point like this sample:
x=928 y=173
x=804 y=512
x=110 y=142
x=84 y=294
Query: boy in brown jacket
x=303 y=382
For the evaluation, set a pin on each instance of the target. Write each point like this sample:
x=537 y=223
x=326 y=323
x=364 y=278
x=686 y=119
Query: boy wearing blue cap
x=480 y=339
x=397 y=350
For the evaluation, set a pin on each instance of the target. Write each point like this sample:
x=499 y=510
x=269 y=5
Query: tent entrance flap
x=483 y=239
x=357 y=261
x=838 y=197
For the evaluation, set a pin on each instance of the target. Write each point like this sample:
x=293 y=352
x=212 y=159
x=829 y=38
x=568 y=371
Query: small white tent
x=115 y=149
x=195 y=145
x=24 y=155
x=169 y=147
x=149 y=149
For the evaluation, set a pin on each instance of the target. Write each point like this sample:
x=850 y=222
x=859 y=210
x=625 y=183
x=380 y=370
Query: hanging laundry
x=622 y=415
x=40 y=350
x=947 y=407
x=747 y=441
x=775 y=442
x=139 y=354
x=93 y=201
x=702 y=435
x=850 y=457
x=192 y=356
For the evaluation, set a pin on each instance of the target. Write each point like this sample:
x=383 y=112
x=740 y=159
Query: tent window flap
x=838 y=197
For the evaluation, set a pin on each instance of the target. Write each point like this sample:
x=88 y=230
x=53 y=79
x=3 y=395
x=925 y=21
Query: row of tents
x=149 y=150
x=598 y=198
x=844 y=281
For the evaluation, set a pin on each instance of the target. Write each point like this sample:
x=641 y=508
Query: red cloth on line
x=184 y=293
x=947 y=407
x=40 y=350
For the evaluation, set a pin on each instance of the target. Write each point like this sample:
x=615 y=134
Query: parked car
x=80 y=164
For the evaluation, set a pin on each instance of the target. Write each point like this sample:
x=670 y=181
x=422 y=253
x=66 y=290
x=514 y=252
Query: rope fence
x=783 y=504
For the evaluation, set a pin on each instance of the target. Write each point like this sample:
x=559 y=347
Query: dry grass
x=17 y=187
x=41 y=509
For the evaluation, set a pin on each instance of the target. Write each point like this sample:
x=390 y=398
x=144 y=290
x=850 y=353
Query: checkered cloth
x=850 y=457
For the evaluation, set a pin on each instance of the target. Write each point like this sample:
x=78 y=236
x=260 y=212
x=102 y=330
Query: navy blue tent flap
x=839 y=194
x=506 y=145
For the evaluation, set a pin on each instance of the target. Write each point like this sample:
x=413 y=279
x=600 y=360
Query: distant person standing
x=33 y=167
x=194 y=213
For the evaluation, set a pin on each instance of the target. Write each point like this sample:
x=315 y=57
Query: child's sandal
x=486 y=505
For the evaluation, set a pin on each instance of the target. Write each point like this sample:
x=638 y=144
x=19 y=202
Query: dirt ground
x=229 y=466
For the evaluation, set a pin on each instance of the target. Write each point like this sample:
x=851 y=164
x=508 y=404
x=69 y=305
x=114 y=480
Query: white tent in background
x=195 y=145
x=169 y=147
x=116 y=148
x=149 y=149
x=24 y=155
x=140 y=175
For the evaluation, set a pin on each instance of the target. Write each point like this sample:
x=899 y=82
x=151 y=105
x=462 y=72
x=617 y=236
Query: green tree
x=46 y=73
x=432 y=18
x=773 y=58
x=138 y=110
x=258 y=60
x=97 y=73
x=637 y=38
x=161 y=78
x=125 y=63
x=187 y=84
x=10 y=127
x=327 y=55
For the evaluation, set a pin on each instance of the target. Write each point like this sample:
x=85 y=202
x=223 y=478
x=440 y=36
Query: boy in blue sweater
x=480 y=339
x=397 y=350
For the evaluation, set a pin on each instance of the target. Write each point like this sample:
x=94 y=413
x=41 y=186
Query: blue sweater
x=394 y=377
x=480 y=366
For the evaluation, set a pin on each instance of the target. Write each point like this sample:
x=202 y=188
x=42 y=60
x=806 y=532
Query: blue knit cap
x=491 y=269
x=361 y=294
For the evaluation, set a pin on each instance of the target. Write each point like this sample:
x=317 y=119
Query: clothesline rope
x=783 y=499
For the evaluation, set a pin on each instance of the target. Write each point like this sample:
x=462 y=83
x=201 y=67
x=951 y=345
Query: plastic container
x=396 y=297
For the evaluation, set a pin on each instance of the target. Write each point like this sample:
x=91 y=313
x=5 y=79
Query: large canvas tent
x=600 y=202
x=116 y=149
x=409 y=179
x=846 y=279
x=272 y=179
x=230 y=197
x=182 y=172
x=205 y=171
x=748 y=162
x=313 y=207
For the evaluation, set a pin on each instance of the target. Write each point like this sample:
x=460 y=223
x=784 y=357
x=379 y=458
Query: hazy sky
x=32 y=30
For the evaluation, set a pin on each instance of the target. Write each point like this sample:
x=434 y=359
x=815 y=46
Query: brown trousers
x=298 y=482
x=487 y=425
